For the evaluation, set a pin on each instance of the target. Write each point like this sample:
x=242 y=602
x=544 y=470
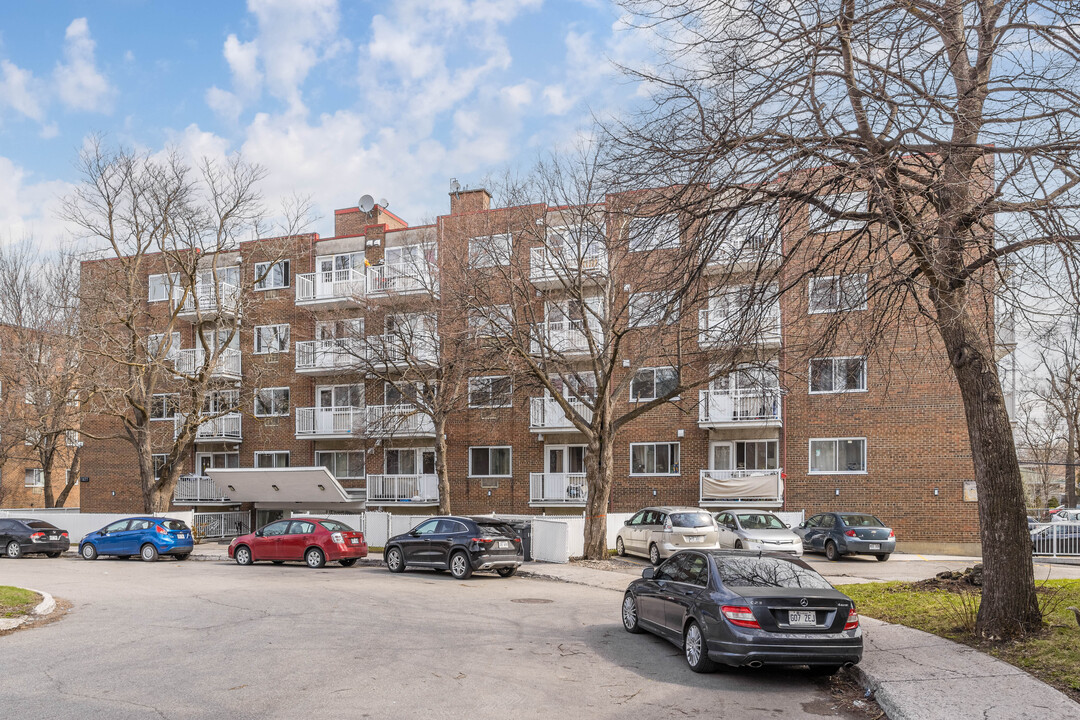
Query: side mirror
x=626 y=521
x=259 y=533
x=648 y=573
x=802 y=526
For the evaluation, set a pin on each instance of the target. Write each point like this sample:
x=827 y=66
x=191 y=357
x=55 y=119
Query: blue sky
x=334 y=99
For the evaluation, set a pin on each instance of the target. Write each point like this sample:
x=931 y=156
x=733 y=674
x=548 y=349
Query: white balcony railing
x=564 y=337
x=211 y=301
x=196 y=489
x=557 y=488
x=546 y=414
x=566 y=263
x=224 y=428
x=757 y=325
x=398 y=421
x=225 y=365
x=329 y=421
x=401 y=278
x=332 y=354
x=752 y=406
x=747 y=249
x=741 y=486
x=403 y=349
x=402 y=489
x=330 y=285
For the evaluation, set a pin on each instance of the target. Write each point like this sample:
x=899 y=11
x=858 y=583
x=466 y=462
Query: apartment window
x=489 y=462
x=838 y=293
x=838 y=455
x=489 y=251
x=654 y=233
x=490 y=392
x=164 y=406
x=838 y=375
x=652 y=308
x=342 y=464
x=271 y=338
x=271 y=459
x=651 y=383
x=270 y=402
x=71 y=438
x=341 y=396
x=654 y=458
x=270 y=276
x=168 y=348
x=161 y=286
x=159 y=461
x=34 y=478
x=492 y=322
x=822 y=221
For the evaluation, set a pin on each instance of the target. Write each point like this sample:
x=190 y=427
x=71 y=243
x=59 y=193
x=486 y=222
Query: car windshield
x=41 y=525
x=760 y=521
x=861 y=521
x=496 y=530
x=174 y=525
x=767 y=572
x=335 y=526
x=691 y=520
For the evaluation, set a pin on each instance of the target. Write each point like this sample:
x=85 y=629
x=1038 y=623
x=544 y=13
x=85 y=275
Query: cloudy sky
x=335 y=100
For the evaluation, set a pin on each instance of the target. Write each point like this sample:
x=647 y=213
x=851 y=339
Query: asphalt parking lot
x=211 y=639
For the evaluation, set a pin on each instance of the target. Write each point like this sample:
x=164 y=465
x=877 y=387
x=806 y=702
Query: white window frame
x=835 y=375
x=174 y=345
x=654 y=371
x=275 y=410
x=655 y=240
x=154 y=463
x=498 y=321
x=677 y=464
x=818 y=221
x=358 y=453
x=165 y=405
x=38 y=475
x=265 y=267
x=489 y=448
x=275 y=332
x=489 y=380
x=836 y=454
x=490 y=251
x=167 y=286
x=260 y=453
x=835 y=308
x=646 y=309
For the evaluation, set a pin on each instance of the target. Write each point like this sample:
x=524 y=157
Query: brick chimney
x=469 y=201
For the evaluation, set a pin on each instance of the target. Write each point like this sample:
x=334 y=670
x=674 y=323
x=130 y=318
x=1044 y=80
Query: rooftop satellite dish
x=367 y=203
x=454 y=185
x=384 y=203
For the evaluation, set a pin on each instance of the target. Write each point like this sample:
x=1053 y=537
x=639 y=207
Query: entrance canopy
x=292 y=488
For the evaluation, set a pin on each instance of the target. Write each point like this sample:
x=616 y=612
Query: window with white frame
x=339 y=396
x=489 y=461
x=837 y=455
x=34 y=478
x=837 y=293
x=342 y=464
x=821 y=220
x=271 y=402
x=490 y=392
x=489 y=251
x=271 y=339
x=169 y=348
x=71 y=438
x=272 y=459
x=159 y=460
x=270 y=276
x=164 y=406
x=651 y=383
x=654 y=233
x=837 y=375
x=654 y=458
x=161 y=286
x=653 y=308
x=33 y=436
x=491 y=322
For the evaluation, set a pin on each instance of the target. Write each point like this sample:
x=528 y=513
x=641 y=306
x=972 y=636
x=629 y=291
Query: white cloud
x=224 y=103
x=79 y=84
x=29 y=209
x=20 y=90
x=243 y=62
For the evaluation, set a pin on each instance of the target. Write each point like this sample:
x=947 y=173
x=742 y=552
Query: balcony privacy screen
x=759 y=486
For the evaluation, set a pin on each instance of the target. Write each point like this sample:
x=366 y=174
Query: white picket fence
x=78 y=525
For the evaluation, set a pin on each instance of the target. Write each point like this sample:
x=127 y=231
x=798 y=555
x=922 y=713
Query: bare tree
x=1041 y=445
x=1057 y=391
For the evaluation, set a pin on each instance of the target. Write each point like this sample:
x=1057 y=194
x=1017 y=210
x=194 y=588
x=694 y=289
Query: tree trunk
x=1070 y=467
x=440 y=463
x=1009 y=606
x=47 y=471
x=73 y=477
x=599 y=467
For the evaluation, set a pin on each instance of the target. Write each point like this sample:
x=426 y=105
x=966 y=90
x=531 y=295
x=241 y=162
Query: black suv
x=458 y=544
x=20 y=537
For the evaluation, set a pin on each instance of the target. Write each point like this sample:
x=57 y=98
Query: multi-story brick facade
x=881 y=432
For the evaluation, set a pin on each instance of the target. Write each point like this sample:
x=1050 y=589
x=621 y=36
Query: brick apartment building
x=884 y=432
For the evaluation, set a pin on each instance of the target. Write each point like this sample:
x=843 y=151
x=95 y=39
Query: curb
x=43 y=608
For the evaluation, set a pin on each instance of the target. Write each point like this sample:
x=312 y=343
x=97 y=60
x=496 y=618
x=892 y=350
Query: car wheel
x=630 y=614
x=315 y=558
x=824 y=670
x=242 y=555
x=883 y=557
x=506 y=572
x=654 y=554
x=182 y=556
x=348 y=562
x=738 y=544
x=89 y=552
x=394 y=561
x=620 y=549
x=697 y=655
x=53 y=554
x=831 y=552
x=14 y=549
x=459 y=566
x=149 y=553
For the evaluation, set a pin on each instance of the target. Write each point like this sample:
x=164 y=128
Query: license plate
x=696 y=538
x=355 y=541
x=54 y=537
x=503 y=545
x=802 y=617
x=875 y=546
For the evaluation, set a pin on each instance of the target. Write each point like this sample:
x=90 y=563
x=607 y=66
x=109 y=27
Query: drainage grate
x=532 y=601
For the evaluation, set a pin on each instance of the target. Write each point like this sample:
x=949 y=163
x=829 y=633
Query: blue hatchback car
x=147 y=537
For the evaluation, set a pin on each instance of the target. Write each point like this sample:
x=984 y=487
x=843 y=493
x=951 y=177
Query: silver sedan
x=757 y=530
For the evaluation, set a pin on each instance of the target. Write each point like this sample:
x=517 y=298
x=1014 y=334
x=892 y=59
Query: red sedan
x=311 y=540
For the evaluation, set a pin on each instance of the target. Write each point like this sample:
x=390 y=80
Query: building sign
x=971 y=493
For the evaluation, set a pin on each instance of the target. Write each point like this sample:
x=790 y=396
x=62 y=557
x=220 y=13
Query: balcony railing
x=752 y=407
x=330 y=286
x=745 y=250
x=726 y=487
x=757 y=325
x=401 y=278
x=212 y=301
x=557 y=488
x=329 y=422
x=398 y=421
x=564 y=264
x=403 y=348
x=421 y=489
x=225 y=365
x=564 y=337
x=224 y=428
x=545 y=414
x=329 y=355
x=196 y=489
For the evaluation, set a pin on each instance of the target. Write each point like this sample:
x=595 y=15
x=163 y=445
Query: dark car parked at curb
x=147 y=537
x=847 y=533
x=314 y=541
x=743 y=608
x=19 y=537
x=461 y=545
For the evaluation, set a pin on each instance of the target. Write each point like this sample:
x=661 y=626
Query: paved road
x=210 y=639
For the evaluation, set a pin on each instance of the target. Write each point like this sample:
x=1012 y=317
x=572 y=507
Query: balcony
x=568 y=489
x=744 y=253
x=397 y=421
x=333 y=288
x=329 y=423
x=402 y=350
x=207 y=302
x=545 y=415
x=224 y=428
x=751 y=408
x=556 y=267
x=564 y=337
x=723 y=328
x=329 y=357
x=226 y=366
x=1005 y=334
x=734 y=487
x=401 y=279
x=413 y=489
x=197 y=489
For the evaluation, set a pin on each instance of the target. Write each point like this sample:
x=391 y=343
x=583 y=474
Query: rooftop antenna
x=367 y=203
x=454 y=185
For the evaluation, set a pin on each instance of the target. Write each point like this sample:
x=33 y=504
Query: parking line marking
x=921 y=557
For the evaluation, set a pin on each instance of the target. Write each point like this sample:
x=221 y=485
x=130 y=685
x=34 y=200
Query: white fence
x=79 y=525
x=1056 y=539
x=221 y=524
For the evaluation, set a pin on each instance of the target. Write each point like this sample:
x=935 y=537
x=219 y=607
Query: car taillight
x=850 y=533
x=37 y=537
x=160 y=530
x=64 y=534
x=337 y=537
x=892 y=534
x=852 y=620
x=740 y=615
x=667 y=525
